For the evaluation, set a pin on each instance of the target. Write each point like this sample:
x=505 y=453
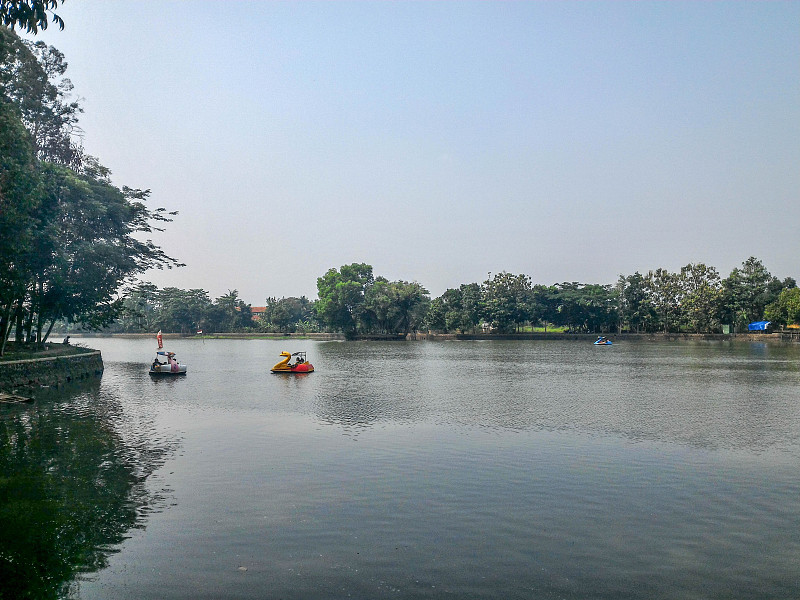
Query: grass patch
x=550 y=329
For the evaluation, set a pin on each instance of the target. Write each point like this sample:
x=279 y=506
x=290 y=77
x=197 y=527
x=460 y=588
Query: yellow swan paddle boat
x=301 y=365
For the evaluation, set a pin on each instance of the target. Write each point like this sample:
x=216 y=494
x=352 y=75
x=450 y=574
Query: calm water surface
x=419 y=470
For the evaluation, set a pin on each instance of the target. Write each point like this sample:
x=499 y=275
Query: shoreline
x=80 y=363
x=776 y=337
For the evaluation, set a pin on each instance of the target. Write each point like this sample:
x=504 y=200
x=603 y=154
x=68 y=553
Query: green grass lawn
x=551 y=329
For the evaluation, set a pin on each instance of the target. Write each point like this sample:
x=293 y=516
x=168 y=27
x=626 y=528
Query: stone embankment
x=51 y=370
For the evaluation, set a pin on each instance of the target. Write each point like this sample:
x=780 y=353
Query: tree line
x=69 y=238
x=353 y=301
x=148 y=308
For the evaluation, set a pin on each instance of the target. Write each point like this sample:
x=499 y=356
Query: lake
x=492 y=469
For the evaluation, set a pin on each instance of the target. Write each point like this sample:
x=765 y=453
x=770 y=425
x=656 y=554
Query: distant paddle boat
x=301 y=365
x=602 y=341
x=170 y=365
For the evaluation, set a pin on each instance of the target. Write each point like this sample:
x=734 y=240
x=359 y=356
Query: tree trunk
x=28 y=326
x=39 y=327
x=18 y=314
x=49 y=329
x=5 y=327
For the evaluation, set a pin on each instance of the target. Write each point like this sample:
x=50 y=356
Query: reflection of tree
x=367 y=383
x=71 y=485
x=349 y=406
x=701 y=395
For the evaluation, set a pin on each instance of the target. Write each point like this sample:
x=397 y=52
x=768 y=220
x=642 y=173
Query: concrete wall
x=53 y=371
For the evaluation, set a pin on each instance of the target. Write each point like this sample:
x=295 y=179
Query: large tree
x=506 y=301
x=91 y=234
x=409 y=303
x=342 y=297
x=664 y=291
x=747 y=291
x=786 y=309
x=19 y=200
x=635 y=308
x=230 y=313
x=32 y=77
x=181 y=311
x=700 y=293
x=586 y=307
x=287 y=314
x=458 y=309
x=545 y=301
x=444 y=312
x=70 y=238
x=138 y=308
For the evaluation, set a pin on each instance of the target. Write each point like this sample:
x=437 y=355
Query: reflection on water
x=705 y=395
x=73 y=467
x=411 y=470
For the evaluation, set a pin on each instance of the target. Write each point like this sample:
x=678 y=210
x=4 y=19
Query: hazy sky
x=441 y=141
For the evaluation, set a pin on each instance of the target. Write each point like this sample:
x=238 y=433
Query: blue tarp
x=758 y=326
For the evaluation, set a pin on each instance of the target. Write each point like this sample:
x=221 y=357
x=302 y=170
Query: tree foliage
x=395 y=306
x=694 y=299
x=585 y=307
x=19 y=198
x=786 y=309
x=173 y=310
x=288 y=315
x=700 y=290
x=506 y=301
x=342 y=296
x=458 y=309
x=356 y=302
x=32 y=76
x=352 y=300
x=30 y=15
x=747 y=291
x=635 y=308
